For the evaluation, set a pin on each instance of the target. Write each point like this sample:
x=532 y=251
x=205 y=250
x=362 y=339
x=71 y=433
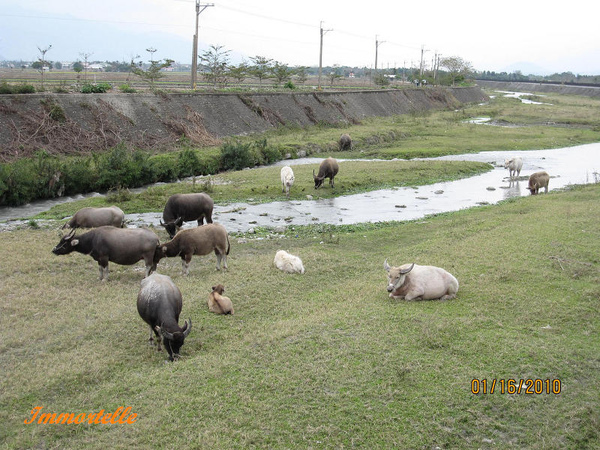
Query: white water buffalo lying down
x=413 y=282
x=96 y=217
x=537 y=181
x=514 y=166
x=159 y=304
x=124 y=246
x=196 y=241
x=288 y=263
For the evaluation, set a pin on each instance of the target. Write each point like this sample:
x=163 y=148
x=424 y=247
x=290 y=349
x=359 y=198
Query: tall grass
x=325 y=359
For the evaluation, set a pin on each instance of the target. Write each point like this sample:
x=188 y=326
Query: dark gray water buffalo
x=328 y=169
x=414 y=282
x=345 y=142
x=159 y=303
x=124 y=246
x=537 y=181
x=185 y=208
x=196 y=241
x=96 y=217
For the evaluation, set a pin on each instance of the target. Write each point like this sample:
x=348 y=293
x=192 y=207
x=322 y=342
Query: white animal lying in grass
x=288 y=263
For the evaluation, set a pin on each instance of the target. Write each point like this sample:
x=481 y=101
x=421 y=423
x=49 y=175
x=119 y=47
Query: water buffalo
x=159 y=304
x=196 y=241
x=124 y=246
x=537 y=181
x=287 y=179
x=345 y=142
x=96 y=217
x=514 y=166
x=414 y=282
x=184 y=208
x=328 y=169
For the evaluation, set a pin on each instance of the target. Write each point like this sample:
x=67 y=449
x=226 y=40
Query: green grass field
x=327 y=359
x=323 y=359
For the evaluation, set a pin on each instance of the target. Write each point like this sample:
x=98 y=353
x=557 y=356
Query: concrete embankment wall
x=540 y=87
x=76 y=123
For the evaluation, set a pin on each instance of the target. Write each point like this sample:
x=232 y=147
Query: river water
x=566 y=166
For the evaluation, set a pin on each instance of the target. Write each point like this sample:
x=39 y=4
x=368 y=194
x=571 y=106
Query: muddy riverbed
x=566 y=166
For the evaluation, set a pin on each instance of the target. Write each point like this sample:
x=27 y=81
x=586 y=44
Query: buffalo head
x=174 y=341
x=66 y=245
x=318 y=180
x=173 y=226
x=396 y=275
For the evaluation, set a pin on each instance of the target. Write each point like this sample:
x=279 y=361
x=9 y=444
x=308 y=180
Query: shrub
x=164 y=167
x=127 y=89
x=188 y=163
x=236 y=155
x=95 y=88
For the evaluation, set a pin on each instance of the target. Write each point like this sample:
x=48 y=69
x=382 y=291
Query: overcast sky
x=491 y=35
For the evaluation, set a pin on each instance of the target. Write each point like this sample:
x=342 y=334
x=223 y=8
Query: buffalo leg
x=185 y=264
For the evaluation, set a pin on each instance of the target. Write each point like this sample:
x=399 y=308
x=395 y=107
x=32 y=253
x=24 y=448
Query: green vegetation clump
x=95 y=88
x=23 y=88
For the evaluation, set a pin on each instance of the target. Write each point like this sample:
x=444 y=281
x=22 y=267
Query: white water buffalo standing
x=345 y=142
x=514 y=166
x=328 y=169
x=537 y=181
x=185 y=208
x=287 y=179
x=96 y=217
x=196 y=241
x=159 y=304
x=414 y=282
x=124 y=246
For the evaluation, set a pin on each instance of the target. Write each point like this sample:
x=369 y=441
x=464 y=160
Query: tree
x=457 y=67
x=78 y=66
x=334 y=74
x=216 y=61
x=240 y=72
x=153 y=72
x=42 y=62
x=261 y=68
x=281 y=72
x=301 y=74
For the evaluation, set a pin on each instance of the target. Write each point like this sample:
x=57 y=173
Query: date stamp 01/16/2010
x=529 y=386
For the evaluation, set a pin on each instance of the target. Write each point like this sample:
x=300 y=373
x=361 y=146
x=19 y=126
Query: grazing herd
x=159 y=301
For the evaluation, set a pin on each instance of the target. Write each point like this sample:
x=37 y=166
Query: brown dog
x=217 y=303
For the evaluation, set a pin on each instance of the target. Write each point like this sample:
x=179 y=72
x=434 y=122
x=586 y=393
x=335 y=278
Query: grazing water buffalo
x=96 y=217
x=196 y=241
x=514 y=166
x=414 y=282
x=124 y=246
x=537 y=181
x=184 y=208
x=345 y=142
x=328 y=169
x=159 y=303
x=287 y=179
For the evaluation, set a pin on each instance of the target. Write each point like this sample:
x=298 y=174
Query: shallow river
x=573 y=165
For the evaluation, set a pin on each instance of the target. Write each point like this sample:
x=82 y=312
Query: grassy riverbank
x=325 y=359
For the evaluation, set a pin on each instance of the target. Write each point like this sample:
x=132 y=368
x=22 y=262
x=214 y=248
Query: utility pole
x=421 y=66
x=199 y=8
x=376 y=49
x=322 y=32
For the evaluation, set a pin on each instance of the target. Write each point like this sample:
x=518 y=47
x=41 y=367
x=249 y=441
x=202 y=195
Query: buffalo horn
x=162 y=223
x=386 y=266
x=166 y=334
x=188 y=327
x=405 y=271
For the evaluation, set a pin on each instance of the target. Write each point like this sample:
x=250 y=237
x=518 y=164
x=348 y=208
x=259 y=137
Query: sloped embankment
x=81 y=123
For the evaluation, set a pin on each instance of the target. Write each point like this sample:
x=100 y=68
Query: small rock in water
x=491 y=188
